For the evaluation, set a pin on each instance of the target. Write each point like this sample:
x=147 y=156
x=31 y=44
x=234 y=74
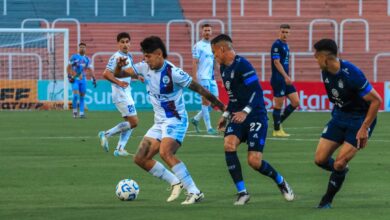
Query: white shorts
x=171 y=128
x=210 y=85
x=126 y=108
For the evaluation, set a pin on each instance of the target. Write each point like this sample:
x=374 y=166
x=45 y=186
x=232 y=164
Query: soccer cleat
x=74 y=115
x=280 y=133
x=193 y=198
x=286 y=191
x=82 y=116
x=175 y=192
x=103 y=141
x=325 y=202
x=122 y=153
x=196 y=124
x=242 y=198
x=324 y=206
x=212 y=131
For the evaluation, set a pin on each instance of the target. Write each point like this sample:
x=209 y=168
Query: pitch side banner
x=19 y=94
x=312 y=95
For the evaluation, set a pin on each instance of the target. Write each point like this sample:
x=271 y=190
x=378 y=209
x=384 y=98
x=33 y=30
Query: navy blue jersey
x=347 y=87
x=281 y=52
x=243 y=88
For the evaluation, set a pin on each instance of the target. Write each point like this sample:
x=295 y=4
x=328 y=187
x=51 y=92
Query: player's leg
x=144 y=158
x=324 y=152
x=256 y=140
x=276 y=115
x=82 y=90
x=292 y=95
x=125 y=135
x=75 y=99
x=336 y=179
x=173 y=132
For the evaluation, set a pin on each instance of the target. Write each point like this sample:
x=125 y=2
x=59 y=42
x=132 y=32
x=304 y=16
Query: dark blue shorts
x=280 y=88
x=344 y=128
x=253 y=131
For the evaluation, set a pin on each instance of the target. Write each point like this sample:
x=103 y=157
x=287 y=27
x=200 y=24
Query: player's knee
x=254 y=163
x=133 y=121
x=165 y=154
x=139 y=160
x=229 y=146
x=340 y=165
x=295 y=104
x=320 y=161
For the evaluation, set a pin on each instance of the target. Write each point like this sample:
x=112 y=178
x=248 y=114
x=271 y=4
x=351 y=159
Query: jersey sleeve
x=195 y=52
x=275 y=52
x=181 y=78
x=141 y=68
x=360 y=83
x=72 y=59
x=251 y=81
x=111 y=65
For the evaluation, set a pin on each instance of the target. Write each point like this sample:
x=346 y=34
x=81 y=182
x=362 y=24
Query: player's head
x=123 y=40
x=154 y=52
x=207 y=31
x=284 y=31
x=326 y=50
x=222 y=45
x=82 y=48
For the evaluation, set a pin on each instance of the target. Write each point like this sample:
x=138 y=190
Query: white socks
x=159 y=171
x=121 y=127
x=123 y=138
x=185 y=178
x=206 y=116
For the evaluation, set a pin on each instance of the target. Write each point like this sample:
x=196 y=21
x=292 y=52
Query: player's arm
x=196 y=87
x=195 y=63
x=108 y=75
x=280 y=69
x=375 y=102
x=130 y=71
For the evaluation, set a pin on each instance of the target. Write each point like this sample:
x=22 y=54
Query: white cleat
x=122 y=153
x=103 y=141
x=242 y=198
x=193 y=198
x=286 y=191
x=175 y=192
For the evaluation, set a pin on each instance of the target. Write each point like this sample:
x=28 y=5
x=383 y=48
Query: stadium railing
x=367 y=31
x=53 y=25
x=30 y=20
x=321 y=20
x=376 y=58
x=12 y=54
x=179 y=21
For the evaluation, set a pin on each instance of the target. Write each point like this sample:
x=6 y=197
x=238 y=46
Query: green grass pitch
x=52 y=167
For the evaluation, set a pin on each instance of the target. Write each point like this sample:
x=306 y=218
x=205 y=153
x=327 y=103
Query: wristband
x=247 y=110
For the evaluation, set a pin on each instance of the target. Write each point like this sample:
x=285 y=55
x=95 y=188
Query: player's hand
x=94 y=83
x=121 y=61
x=362 y=138
x=123 y=84
x=222 y=124
x=141 y=78
x=239 y=117
x=70 y=78
x=288 y=80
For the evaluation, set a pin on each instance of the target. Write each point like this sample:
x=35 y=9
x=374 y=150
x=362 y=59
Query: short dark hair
x=152 y=43
x=122 y=35
x=286 y=26
x=82 y=43
x=221 y=37
x=206 y=25
x=326 y=45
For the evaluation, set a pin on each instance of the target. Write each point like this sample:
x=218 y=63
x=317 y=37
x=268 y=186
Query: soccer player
x=356 y=105
x=165 y=84
x=246 y=118
x=203 y=73
x=121 y=97
x=281 y=82
x=78 y=66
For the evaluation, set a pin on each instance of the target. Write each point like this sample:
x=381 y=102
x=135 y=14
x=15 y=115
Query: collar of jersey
x=122 y=53
x=205 y=41
x=163 y=67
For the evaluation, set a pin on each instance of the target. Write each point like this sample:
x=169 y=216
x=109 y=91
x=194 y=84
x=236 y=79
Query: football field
x=52 y=167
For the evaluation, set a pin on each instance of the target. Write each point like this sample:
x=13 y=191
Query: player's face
x=206 y=33
x=155 y=60
x=218 y=53
x=124 y=45
x=82 y=49
x=321 y=57
x=283 y=34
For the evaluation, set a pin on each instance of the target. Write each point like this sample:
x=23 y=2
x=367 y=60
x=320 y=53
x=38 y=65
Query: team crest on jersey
x=335 y=93
x=346 y=70
x=166 y=79
x=341 y=83
x=276 y=49
x=227 y=85
x=326 y=80
x=282 y=92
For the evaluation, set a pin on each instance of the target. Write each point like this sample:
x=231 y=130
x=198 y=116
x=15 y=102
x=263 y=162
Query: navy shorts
x=253 y=131
x=280 y=88
x=344 y=128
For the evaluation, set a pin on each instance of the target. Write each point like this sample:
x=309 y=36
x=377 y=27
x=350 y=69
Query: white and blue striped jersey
x=165 y=88
x=120 y=94
x=202 y=51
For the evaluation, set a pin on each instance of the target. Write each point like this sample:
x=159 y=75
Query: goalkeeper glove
x=94 y=83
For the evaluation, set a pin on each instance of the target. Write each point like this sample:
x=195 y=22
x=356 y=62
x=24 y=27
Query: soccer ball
x=127 y=190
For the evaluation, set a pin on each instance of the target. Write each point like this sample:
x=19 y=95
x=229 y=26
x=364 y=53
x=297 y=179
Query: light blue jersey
x=79 y=65
x=202 y=51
